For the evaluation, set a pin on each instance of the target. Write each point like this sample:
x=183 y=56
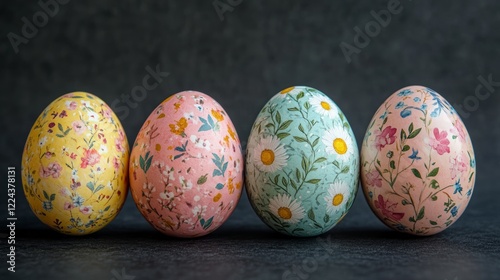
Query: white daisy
x=285 y=209
x=337 y=197
x=103 y=149
x=284 y=92
x=42 y=141
x=324 y=106
x=269 y=155
x=338 y=142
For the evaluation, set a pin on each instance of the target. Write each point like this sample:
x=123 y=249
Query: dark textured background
x=258 y=49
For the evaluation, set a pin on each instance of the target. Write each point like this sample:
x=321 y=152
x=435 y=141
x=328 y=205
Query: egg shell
x=302 y=163
x=418 y=165
x=186 y=166
x=75 y=164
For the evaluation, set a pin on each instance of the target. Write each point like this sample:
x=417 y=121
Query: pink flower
x=386 y=137
x=86 y=210
x=373 y=178
x=52 y=170
x=106 y=112
x=458 y=129
x=79 y=127
x=387 y=209
x=71 y=105
x=458 y=166
x=68 y=206
x=90 y=157
x=440 y=142
x=116 y=163
x=119 y=142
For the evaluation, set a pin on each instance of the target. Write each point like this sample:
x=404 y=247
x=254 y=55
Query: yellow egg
x=74 y=165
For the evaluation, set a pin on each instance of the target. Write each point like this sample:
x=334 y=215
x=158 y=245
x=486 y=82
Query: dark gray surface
x=258 y=49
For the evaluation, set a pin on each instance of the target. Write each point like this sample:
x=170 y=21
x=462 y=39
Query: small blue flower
x=405 y=92
x=458 y=187
x=78 y=201
x=405 y=113
x=47 y=205
x=400 y=227
x=400 y=105
x=383 y=115
x=472 y=163
x=454 y=211
x=424 y=106
x=416 y=99
x=414 y=154
x=469 y=192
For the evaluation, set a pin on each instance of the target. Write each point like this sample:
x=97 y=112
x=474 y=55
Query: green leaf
x=470 y=177
x=301 y=128
x=299 y=139
x=303 y=163
x=285 y=125
x=392 y=164
x=404 y=202
x=402 y=135
x=414 y=133
x=313 y=181
x=433 y=223
x=59 y=135
x=406 y=148
x=315 y=142
x=410 y=128
x=345 y=169
x=300 y=95
x=310 y=214
x=326 y=218
x=282 y=135
x=294 y=109
x=148 y=163
x=100 y=187
x=434 y=198
x=412 y=219
x=52 y=197
x=202 y=179
x=416 y=173
x=434 y=172
x=59 y=125
x=297 y=174
x=46 y=195
x=141 y=163
x=321 y=159
x=219 y=186
x=378 y=162
x=278 y=117
x=421 y=213
x=107 y=208
x=284 y=182
x=90 y=185
x=434 y=184
x=336 y=163
x=208 y=223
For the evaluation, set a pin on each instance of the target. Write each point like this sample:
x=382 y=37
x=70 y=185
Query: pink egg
x=417 y=162
x=186 y=166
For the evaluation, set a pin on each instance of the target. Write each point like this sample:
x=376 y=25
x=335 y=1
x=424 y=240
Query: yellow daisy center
x=287 y=90
x=340 y=146
x=285 y=213
x=337 y=199
x=325 y=105
x=267 y=157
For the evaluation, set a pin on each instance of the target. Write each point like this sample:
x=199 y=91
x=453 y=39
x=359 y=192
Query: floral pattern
x=302 y=163
x=74 y=165
x=186 y=166
x=418 y=164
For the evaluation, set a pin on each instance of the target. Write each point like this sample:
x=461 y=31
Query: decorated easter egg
x=302 y=163
x=74 y=164
x=186 y=166
x=417 y=162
